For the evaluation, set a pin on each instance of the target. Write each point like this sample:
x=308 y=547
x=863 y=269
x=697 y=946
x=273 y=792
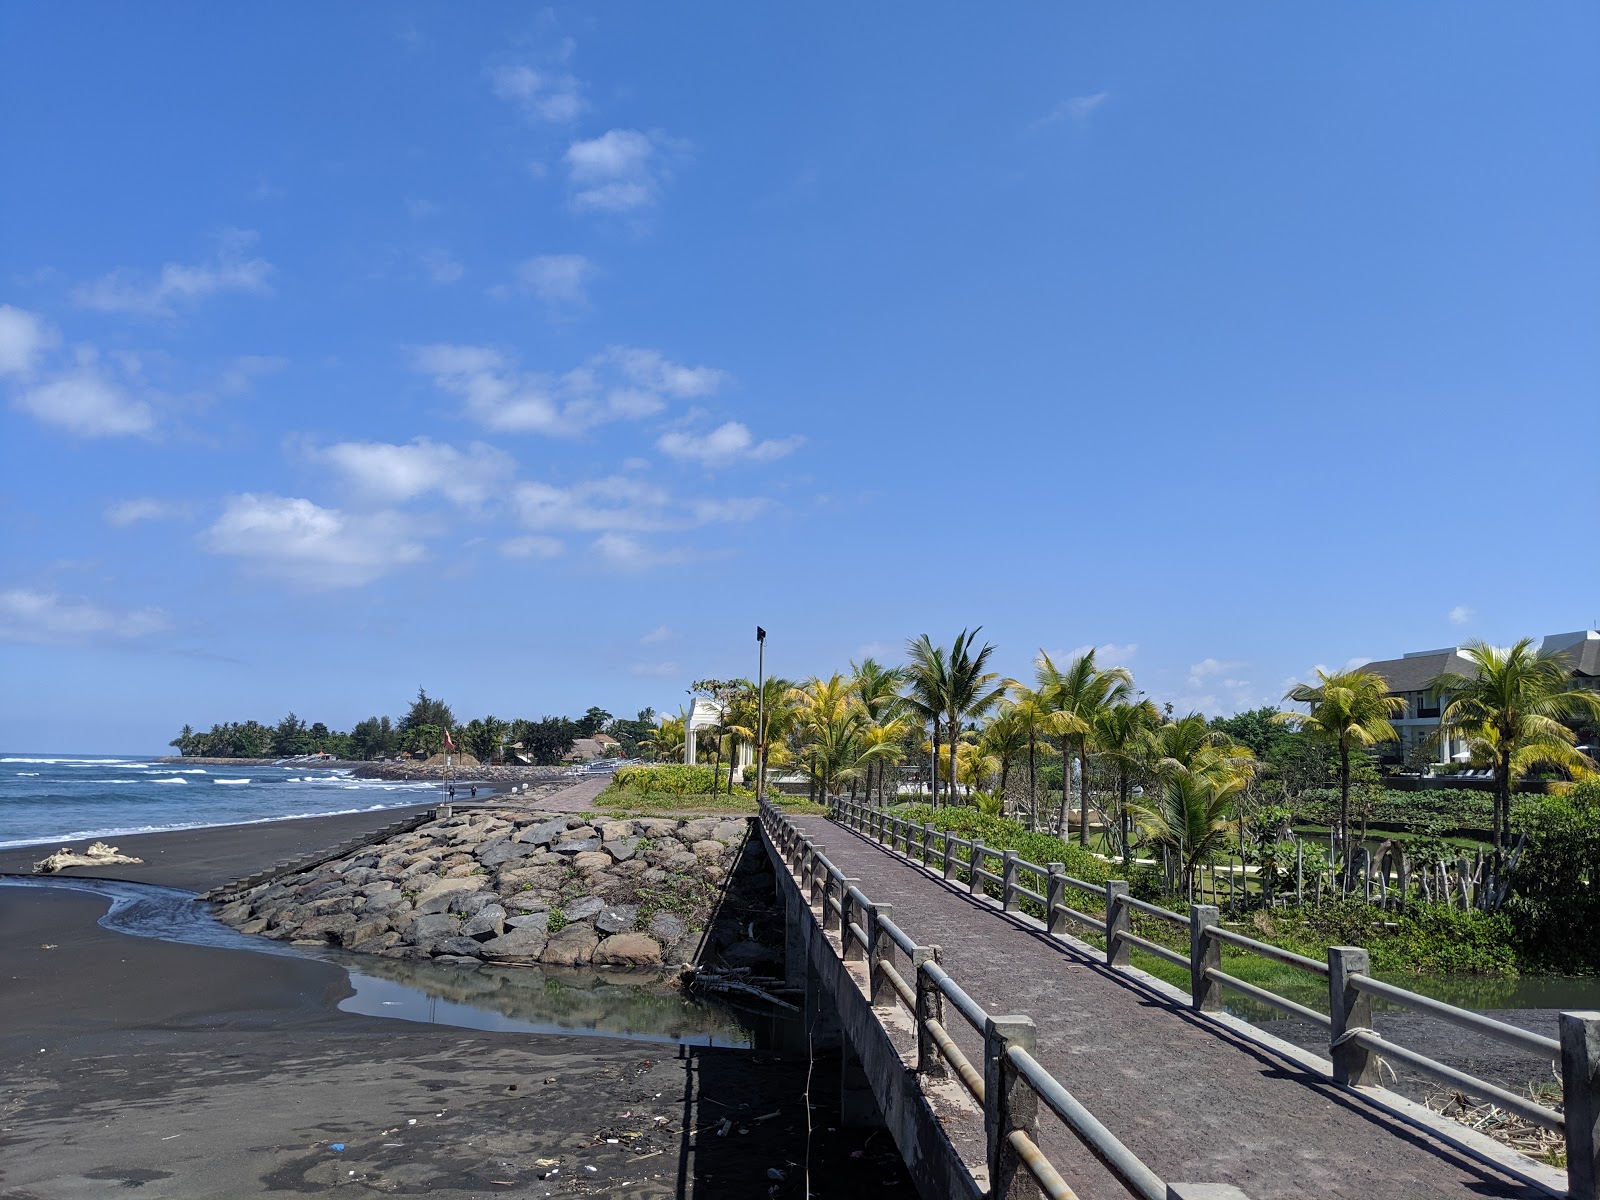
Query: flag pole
x=761 y=714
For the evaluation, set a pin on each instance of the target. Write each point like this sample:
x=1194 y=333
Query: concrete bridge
x=1010 y=1059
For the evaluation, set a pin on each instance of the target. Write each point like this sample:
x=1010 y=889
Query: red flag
x=448 y=744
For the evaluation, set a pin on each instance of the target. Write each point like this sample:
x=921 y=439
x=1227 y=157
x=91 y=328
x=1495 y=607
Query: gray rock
x=378 y=944
x=628 y=950
x=699 y=830
x=577 y=845
x=538 y=920
x=469 y=903
x=437 y=897
x=526 y=902
x=465 y=947
x=543 y=835
x=496 y=853
x=573 y=947
x=490 y=919
x=731 y=831
x=431 y=928
x=621 y=850
x=666 y=928
x=582 y=910
x=516 y=945
x=364 y=931
x=256 y=926
x=617 y=920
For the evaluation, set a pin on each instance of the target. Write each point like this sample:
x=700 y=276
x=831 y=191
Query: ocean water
x=60 y=798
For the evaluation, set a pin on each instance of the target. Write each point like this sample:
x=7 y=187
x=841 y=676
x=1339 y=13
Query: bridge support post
x=947 y=858
x=881 y=951
x=974 y=865
x=1349 y=1010
x=1010 y=1105
x=1008 y=882
x=1054 y=897
x=1205 y=953
x=930 y=1007
x=850 y=914
x=1580 y=1093
x=816 y=876
x=1117 y=922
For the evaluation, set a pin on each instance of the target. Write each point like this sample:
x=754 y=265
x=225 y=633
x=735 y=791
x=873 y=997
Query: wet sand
x=189 y=1071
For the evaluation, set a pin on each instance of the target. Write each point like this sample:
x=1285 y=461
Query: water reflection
x=519 y=999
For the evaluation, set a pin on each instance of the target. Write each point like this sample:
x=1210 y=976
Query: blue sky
x=535 y=356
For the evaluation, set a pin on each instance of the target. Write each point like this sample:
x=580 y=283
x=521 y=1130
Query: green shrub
x=1002 y=833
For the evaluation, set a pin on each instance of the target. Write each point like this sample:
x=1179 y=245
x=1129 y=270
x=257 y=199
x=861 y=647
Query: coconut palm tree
x=972 y=690
x=1351 y=710
x=1033 y=715
x=1189 y=813
x=878 y=689
x=1510 y=712
x=927 y=681
x=1004 y=737
x=1077 y=695
x=1124 y=738
x=667 y=740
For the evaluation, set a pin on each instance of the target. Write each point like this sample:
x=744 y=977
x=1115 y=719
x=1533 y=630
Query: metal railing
x=1354 y=1046
x=1009 y=1084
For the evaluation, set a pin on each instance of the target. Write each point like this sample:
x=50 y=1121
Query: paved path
x=1195 y=1101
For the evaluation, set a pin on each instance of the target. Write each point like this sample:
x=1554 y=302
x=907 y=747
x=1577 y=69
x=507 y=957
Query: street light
x=761 y=714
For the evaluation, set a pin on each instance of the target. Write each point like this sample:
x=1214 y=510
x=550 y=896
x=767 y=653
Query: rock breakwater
x=514 y=887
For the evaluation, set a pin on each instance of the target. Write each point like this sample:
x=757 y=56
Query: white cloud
x=661 y=670
x=619 y=384
x=32 y=616
x=442 y=267
x=724 y=444
x=1075 y=109
x=144 y=508
x=124 y=291
x=560 y=281
x=1206 y=668
x=620 y=171
x=660 y=633
x=315 y=547
x=621 y=504
x=538 y=95
x=23 y=337
x=1460 y=615
x=533 y=546
x=389 y=474
x=85 y=402
x=627 y=553
x=1107 y=654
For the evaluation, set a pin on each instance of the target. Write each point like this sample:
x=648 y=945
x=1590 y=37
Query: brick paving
x=1196 y=1102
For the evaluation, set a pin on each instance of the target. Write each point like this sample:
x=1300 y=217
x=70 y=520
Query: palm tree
x=1004 y=736
x=1078 y=695
x=927 y=678
x=1189 y=814
x=1511 y=712
x=667 y=740
x=1033 y=714
x=1350 y=709
x=972 y=690
x=878 y=689
x=1123 y=736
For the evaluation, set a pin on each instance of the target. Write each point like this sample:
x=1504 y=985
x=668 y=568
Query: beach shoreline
x=193 y=1071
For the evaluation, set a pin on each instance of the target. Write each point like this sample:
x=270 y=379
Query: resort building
x=1411 y=678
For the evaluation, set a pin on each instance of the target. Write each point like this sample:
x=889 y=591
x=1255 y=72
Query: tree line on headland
x=421 y=733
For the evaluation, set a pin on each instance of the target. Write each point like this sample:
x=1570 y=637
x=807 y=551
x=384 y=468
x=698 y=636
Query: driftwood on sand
x=97 y=855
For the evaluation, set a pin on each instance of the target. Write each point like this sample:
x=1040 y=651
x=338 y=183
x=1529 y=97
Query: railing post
x=1204 y=952
x=949 y=861
x=853 y=950
x=1118 y=922
x=818 y=875
x=1349 y=1010
x=1010 y=1104
x=930 y=1007
x=1580 y=1095
x=1008 y=880
x=974 y=865
x=882 y=951
x=1055 y=896
x=829 y=885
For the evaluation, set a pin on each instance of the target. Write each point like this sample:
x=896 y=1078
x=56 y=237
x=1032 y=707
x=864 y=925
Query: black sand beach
x=190 y=1071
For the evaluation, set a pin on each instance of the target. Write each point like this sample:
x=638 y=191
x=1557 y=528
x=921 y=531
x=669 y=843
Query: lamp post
x=761 y=714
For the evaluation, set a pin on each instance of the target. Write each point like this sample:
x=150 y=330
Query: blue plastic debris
x=337 y=1147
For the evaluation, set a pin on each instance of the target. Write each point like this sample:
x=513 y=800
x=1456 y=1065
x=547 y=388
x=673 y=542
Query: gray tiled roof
x=1585 y=658
x=1416 y=674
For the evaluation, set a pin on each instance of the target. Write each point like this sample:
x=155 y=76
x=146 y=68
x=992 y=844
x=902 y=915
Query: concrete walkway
x=1191 y=1098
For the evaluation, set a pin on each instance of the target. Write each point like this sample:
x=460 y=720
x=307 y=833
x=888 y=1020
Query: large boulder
x=574 y=946
x=430 y=929
x=490 y=919
x=519 y=944
x=436 y=897
x=627 y=950
x=496 y=853
x=584 y=909
x=459 y=947
x=618 y=919
x=543 y=834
